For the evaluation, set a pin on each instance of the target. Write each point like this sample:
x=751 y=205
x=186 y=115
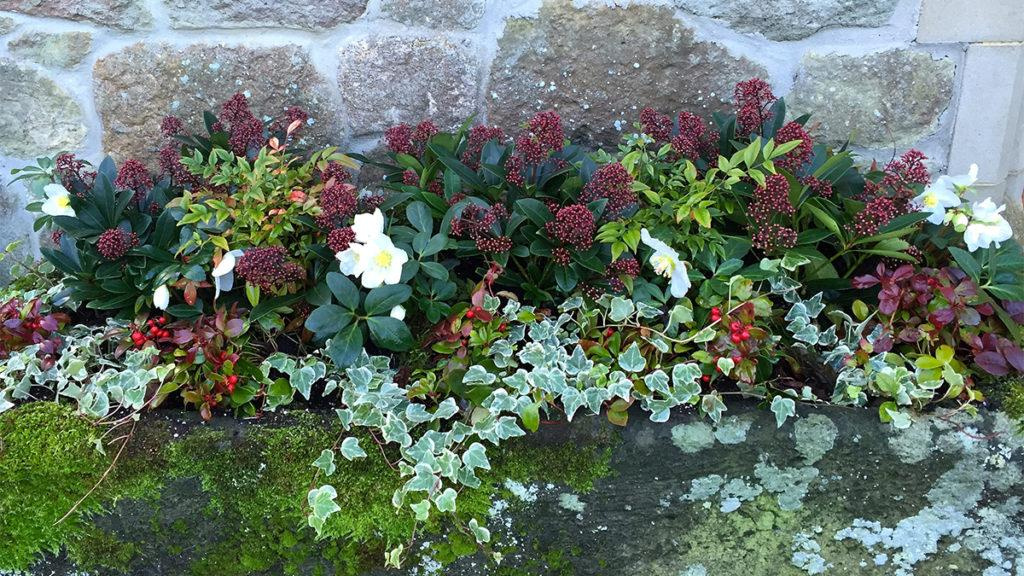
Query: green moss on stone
x=252 y=480
x=47 y=462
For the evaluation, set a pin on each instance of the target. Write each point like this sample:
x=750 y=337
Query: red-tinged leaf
x=190 y=293
x=866 y=281
x=992 y=362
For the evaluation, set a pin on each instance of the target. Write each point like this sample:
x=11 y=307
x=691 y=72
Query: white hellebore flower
x=987 y=226
x=379 y=261
x=372 y=256
x=161 y=297
x=962 y=181
x=58 y=201
x=666 y=263
x=935 y=199
x=224 y=273
x=398 y=312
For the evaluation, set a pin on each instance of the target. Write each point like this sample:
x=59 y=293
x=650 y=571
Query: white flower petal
x=161 y=297
x=368 y=226
x=656 y=244
x=227 y=264
x=398 y=312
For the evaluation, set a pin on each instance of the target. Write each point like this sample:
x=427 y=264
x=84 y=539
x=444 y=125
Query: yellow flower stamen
x=383 y=259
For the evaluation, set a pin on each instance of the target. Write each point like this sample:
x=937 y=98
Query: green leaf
x=381 y=300
x=327 y=320
x=531 y=416
x=418 y=214
x=346 y=345
x=534 y=210
x=390 y=333
x=343 y=289
x=445 y=501
x=967 y=262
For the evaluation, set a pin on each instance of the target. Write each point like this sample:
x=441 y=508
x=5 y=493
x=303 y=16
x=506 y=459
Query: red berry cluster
x=796 y=158
x=514 y=171
x=693 y=139
x=171 y=126
x=133 y=175
x=339 y=239
x=573 y=226
x=771 y=199
x=754 y=98
x=611 y=181
x=475 y=141
x=72 y=170
x=404 y=139
x=476 y=222
x=334 y=171
x=246 y=130
x=822 y=188
x=738 y=332
x=622 y=267
x=114 y=243
x=876 y=213
x=268 y=268
x=496 y=245
x=655 y=125
x=774 y=238
x=156 y=331
x=339 y=202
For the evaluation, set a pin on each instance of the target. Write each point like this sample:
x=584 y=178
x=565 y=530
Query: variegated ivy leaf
x=478 y=375
x=417 y=413
x=393 y=557
x=325 y=462
x=360 y=377
x=645 y=310
x=619 y=386
x=726 y=364
x=712 y=405
x=574 y=303
x=482 y=535
x=446 y=409
x=423 y=479
x=620 y=309
x=491 y=303
x=445 y=501
x=321 y=505
x=657 y=381
x=517 y=382
x=783 y=409
x=658 y=342
x=548 y=379
x=631 y=360
x=396 y=431
x=421 y=509
x=533 y=354
x=499 y=401
x=512 y=308
x=476 y=457
x=571 y=402
x=594 y=398
x=578 y=362
x=350 y=448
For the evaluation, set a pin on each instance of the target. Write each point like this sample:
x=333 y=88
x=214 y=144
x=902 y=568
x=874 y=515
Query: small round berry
x=735 y=326
x=745 y=335
x=715 y=310
x=232 y=380
x=470 y=313
x=736 y=338
x=706 y=378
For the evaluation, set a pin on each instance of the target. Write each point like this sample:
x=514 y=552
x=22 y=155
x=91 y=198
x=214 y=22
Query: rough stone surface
x=36 y=115
x=259 y=13
x=7 y=24
x=971 y=21
x=599 y=65
x=17 y=227
x=792 y=19
x=878 y=100
x=136 y=87
x=385 y=80
x=750 y=508
x=435 y=13
x=63 y=50
x=123 y=14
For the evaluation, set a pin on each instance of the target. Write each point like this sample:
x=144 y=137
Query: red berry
x=745 y=335
x=609 y=333
x=232 y=380
x=736 y=339
x=162 y=320
x=502 y=327
x=470 y=313
x=706 y=378
x=735 y=326
x=231 y=388
x=716 y=310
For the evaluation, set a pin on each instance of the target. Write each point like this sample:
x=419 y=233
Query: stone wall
x=96 y=76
